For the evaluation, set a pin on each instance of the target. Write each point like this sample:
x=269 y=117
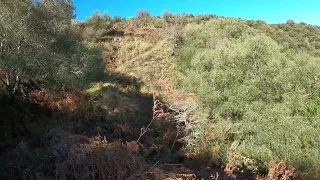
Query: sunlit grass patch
x=98 y=86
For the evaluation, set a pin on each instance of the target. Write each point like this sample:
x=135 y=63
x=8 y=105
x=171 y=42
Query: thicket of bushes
x=292 y=36
x=258 y=84
x=39 y=43
x=97 y=26
x=261 y=96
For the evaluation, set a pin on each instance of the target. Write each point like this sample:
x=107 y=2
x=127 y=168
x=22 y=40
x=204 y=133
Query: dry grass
x=95 y=158
x=104 y=162
x=145 y=54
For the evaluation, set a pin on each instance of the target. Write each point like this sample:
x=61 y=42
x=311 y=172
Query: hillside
x=166 y=97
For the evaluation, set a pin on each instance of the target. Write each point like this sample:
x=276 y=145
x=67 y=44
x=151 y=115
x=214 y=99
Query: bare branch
x=3 y=82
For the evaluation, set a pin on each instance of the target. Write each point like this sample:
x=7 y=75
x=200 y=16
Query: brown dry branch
x=173 y=176
x=236 y=161
x=281 y=171
x=158 y=111
x=231 y=170
x=214 y=177
x=158 y=174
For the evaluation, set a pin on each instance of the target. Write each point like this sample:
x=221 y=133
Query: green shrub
x=42 y=46
x=116 y=18
x=97 y=26
x=266 y=96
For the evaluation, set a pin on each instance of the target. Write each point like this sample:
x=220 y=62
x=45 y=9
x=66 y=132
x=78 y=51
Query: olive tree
x=97 y=26
x=37 y=43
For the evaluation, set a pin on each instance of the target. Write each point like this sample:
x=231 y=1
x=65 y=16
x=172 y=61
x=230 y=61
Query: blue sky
x=271 y=11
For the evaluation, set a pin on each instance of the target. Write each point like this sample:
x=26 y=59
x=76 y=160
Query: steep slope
x=183 y=97
x=250 y=88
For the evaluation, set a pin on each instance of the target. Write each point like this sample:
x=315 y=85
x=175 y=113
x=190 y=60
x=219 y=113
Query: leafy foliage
x=292 y=36
x=38 y=43
x=265 y=93
x=96 y=26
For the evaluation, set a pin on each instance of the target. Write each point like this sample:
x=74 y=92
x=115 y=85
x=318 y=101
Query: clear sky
x=271 y=11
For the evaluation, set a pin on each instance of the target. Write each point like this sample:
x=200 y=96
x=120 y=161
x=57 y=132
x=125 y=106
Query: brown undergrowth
x=101 y=160
x=282 y=171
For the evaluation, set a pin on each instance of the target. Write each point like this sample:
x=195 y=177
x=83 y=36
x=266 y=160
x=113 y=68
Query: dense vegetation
x=265 y=95
x=201 y=91
x=39 y=43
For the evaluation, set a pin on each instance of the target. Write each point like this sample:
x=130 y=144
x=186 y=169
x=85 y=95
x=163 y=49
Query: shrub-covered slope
x=263 y=95
x=256 y=85
x=181 y=96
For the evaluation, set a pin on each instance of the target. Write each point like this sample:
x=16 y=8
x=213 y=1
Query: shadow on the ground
x=94 y=139
x=34 y=138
